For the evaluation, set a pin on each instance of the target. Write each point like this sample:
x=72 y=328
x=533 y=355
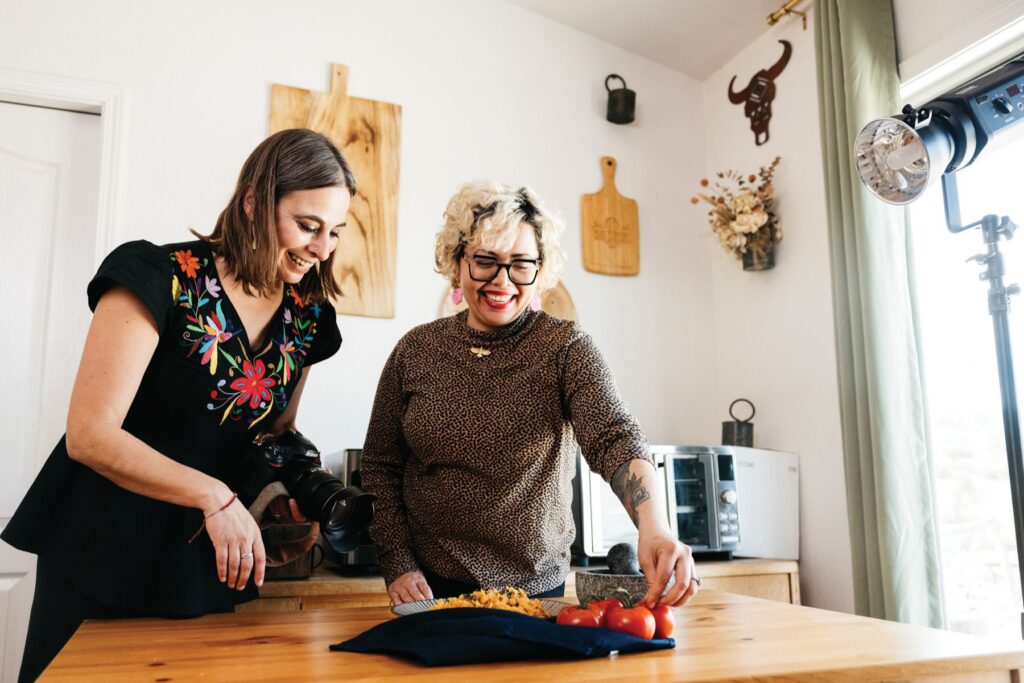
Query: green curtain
x=888 y=472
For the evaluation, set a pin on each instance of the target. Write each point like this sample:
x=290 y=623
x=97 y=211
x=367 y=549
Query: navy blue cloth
x=472 y=635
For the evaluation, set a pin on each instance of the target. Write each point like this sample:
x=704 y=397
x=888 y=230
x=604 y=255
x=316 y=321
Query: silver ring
x=246 y=556
x=699 y=581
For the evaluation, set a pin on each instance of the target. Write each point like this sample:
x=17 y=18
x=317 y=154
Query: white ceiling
x=695 y=37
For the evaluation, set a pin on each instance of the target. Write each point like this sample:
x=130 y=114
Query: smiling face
x=500 y=301
x=308 y=223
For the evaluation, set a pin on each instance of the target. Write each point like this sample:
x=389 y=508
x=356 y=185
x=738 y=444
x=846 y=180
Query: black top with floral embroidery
x=206 y=392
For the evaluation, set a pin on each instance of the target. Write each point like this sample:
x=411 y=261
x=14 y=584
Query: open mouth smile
x=304 y=265
x=498 y=301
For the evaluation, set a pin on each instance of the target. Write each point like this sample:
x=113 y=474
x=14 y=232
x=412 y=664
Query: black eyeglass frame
x=507 y=266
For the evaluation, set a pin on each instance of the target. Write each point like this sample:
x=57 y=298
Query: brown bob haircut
x=287 y=161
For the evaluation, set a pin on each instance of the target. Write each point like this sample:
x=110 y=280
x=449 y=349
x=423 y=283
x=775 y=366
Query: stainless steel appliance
x=720 y=500
x=702 y=501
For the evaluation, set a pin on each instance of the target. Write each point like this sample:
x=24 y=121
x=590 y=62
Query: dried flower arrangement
x=741 y=214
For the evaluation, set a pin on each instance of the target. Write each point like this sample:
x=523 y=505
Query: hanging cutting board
x=611 y=228
x=367 y=133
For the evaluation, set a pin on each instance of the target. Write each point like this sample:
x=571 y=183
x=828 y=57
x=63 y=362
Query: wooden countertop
x=720 y=637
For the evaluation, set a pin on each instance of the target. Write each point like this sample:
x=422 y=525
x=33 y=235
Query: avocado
x=622 y=559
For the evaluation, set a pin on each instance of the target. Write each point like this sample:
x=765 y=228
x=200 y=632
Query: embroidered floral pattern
x=249 y=383
x=187 y=261
x=253 y=387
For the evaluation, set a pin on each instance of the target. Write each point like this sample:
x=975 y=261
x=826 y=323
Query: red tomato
x=602 y=608
x=664 y=621
x=636 y=621
x=578 y=616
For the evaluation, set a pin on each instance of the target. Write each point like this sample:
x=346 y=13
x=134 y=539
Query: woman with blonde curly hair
x=472 y=441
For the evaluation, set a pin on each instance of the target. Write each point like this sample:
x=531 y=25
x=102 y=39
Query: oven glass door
x=689 y=488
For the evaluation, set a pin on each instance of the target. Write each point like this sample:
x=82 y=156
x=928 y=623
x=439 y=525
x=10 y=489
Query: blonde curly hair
x=486 y=215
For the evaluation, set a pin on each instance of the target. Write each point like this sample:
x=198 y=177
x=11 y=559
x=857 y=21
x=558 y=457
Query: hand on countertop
x=409 y=587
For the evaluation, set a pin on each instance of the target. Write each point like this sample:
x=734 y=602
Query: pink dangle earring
x=535 y=302
x=457 y=296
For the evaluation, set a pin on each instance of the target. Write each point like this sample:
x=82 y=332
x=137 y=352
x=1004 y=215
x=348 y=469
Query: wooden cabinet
x=771 y=579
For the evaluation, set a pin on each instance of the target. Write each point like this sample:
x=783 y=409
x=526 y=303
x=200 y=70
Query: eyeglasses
x=520 y=271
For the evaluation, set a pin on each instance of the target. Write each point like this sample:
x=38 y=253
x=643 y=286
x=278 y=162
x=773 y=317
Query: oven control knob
x=1002 y=106
x=729 y=497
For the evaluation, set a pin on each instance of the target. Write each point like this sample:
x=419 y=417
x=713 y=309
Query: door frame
x=92 y=97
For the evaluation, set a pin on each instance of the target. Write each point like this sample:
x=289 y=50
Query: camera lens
x=343 y=512
x=350 y=514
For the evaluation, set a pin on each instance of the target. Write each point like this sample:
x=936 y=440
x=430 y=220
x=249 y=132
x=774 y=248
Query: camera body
x=343 y=512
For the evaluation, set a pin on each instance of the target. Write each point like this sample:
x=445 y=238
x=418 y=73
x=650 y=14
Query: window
x=972 y=491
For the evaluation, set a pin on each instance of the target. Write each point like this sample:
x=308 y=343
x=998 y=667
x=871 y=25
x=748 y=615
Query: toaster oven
x=703 y=505
x=720 y=501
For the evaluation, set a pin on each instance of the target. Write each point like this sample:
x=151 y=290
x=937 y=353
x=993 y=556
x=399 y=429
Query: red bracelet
x=234 y=497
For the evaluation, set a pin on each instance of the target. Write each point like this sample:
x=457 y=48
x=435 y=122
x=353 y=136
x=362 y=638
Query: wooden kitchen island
x=720 y=637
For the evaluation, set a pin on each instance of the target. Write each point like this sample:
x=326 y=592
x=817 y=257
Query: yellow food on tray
x=512 y=599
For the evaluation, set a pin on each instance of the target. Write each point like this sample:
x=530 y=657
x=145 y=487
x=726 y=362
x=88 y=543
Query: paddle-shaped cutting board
x=611 y=228
x=367 y=133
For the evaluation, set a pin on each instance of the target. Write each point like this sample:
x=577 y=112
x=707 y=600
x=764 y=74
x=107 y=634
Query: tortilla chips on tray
x=512 y=599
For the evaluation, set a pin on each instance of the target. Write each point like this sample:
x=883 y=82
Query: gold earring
x=316 y=265
x=252 y=229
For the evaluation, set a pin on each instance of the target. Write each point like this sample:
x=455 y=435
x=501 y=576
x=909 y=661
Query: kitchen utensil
x=611 y=228
x=367 y=132
x=599 y=584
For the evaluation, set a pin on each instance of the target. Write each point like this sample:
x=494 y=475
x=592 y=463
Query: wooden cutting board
x=367 y=133
x=611 y=228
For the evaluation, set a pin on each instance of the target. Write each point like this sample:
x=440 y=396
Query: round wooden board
x=555 y=301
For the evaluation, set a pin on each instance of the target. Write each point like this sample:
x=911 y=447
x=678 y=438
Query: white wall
x=487 y=89
x=773 y=330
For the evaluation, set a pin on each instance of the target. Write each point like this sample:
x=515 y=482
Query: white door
x=49 y=171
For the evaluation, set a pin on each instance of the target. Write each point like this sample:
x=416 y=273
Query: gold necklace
x=479 y=351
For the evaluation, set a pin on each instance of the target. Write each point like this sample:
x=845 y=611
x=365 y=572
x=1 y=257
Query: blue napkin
x=471 y=635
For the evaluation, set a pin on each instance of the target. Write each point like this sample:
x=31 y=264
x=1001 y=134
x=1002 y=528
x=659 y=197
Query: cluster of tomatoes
x=623 y=615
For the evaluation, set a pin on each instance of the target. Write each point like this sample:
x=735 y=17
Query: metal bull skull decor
x=758 y=95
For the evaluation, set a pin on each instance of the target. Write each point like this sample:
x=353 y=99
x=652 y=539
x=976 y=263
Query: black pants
x=58 y=609
x=446 y=588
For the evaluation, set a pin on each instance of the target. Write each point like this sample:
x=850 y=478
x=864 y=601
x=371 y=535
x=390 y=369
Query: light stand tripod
x=992 y=229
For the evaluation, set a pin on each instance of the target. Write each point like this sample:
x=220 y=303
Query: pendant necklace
x=479 y=351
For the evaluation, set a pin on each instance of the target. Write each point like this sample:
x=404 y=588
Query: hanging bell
x=738 y=432
x=621 y=102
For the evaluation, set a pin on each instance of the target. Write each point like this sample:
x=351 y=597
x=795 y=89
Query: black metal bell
x=738 y=432
x=621 y=102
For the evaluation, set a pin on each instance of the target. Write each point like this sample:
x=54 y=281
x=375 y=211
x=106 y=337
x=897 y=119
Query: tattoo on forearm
x=630 y=490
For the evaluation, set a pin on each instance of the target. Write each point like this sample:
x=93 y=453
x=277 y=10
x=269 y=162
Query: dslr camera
x=343 y=512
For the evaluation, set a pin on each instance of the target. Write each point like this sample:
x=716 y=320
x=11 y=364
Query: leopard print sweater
x=471 y=448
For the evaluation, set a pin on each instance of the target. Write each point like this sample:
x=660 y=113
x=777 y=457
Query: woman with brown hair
x=193 y=349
